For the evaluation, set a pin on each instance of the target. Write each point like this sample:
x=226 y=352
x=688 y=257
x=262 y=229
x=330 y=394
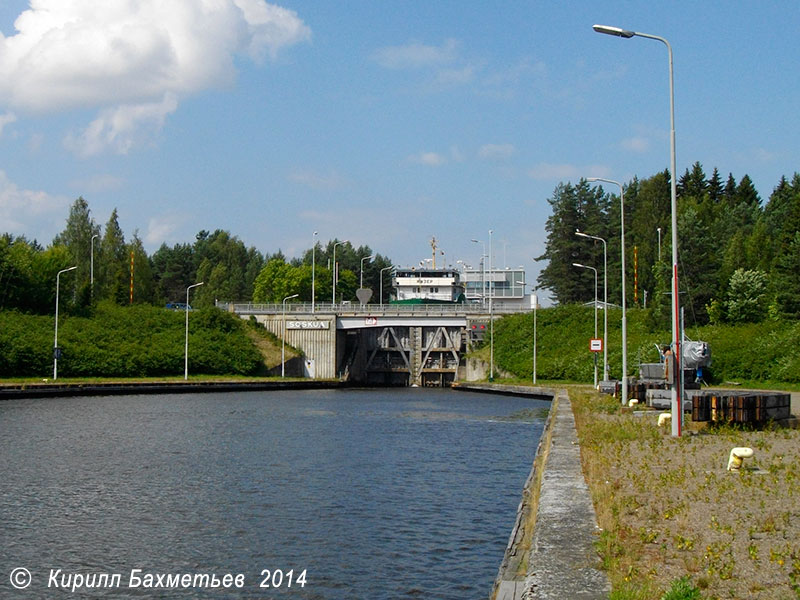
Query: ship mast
x=433 y=247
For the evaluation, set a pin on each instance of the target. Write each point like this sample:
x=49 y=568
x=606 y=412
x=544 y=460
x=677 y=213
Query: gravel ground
x=670 y=508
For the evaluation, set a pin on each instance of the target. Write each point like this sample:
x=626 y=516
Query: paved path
x=563 y=561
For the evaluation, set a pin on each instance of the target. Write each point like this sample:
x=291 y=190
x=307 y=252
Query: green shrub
x=134 y=341
x=768 y=351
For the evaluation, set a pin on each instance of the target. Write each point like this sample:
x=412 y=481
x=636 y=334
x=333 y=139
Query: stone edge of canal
x=555 y=517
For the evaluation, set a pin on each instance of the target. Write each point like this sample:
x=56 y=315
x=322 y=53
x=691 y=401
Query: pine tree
x=110 y=262
x=575 y=208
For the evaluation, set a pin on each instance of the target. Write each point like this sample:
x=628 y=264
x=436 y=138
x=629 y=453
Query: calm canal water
x=376 y=494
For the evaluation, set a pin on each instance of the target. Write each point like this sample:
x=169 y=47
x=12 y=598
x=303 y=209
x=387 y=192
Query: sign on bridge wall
x=308 y=324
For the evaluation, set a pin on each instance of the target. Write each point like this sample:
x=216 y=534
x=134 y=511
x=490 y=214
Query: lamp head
x=617 y=31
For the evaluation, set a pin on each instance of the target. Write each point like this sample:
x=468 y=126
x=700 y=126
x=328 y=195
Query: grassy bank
x=136 y=341
x=767 y=352
x=675 y=521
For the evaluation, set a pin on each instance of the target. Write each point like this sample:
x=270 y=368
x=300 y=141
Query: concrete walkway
x=563 y=561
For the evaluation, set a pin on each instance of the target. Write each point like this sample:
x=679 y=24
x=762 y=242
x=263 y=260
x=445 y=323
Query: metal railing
x=344 y=309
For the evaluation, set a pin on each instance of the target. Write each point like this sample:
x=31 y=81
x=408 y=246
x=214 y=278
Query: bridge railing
x=344 y=309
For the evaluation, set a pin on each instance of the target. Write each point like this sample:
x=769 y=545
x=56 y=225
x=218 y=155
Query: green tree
x=786 y=280
x=173 y=271
x=574 y=208
x=77 y=238
x=227 y=268
x=143 y=285
x=747 y=294
x=111 y=272
x=649 y=204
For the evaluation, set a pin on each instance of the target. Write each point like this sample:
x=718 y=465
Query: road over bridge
x=389 y=344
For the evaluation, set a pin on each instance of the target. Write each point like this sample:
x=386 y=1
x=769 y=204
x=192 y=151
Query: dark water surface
x=403 y=493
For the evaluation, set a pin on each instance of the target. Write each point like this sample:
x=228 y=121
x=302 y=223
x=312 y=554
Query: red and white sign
x=596 y=344
x=371 y=321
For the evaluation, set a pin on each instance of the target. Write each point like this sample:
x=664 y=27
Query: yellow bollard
x=664 y=418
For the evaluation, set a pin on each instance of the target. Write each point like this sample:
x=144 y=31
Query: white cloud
x=496 y=151
x=638 y=144
x=764 y=155
x=98 y=183
x=29 y=212
x=161 y=228
x=128 y=57
x=121 y=128
x=6 y=119
x=416 y=55
x=566 y=172
x=318 y=181
x=458 y=76
x=430 y=159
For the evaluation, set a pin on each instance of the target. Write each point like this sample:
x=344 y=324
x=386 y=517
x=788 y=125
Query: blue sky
x=385 y=123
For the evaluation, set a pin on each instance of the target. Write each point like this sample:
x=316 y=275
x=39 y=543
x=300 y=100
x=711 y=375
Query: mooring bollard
x=737 y=457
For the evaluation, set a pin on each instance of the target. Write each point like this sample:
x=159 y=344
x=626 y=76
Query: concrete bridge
x=388 y=344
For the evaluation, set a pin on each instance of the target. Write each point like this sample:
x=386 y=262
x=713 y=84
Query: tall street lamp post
x=91 y=268
x=381 y=286
x=605 y=299
x=313 y=272
x=283 y=337
x=483 y=271
x=624 y=314
x=186 y=346
x=55 y=339
x=335 y=270
x=658 y=229
x=579 y=265
x=677 y=384
x=491 y=310
x=361 y=282
x=535 y=299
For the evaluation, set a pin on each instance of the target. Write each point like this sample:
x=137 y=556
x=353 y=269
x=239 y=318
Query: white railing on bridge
x=345 y=309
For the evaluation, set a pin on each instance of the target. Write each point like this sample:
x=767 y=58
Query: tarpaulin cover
x=696 y=354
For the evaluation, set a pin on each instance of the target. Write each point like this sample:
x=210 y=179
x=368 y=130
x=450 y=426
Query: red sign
x=596 y=345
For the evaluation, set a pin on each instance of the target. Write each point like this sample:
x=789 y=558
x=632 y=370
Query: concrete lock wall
x=315 y=336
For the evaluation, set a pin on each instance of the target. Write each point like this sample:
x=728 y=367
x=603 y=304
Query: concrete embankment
x=46 y=390
x=550 y=553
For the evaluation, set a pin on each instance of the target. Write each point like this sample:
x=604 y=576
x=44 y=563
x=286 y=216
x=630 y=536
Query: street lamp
x=677 y=392
x=605 y=299
x=283 y=337
x=186 y=348
x=91 y=268
x=624 y=314
x=483 y=271
x=55 y=339
x=335 y=270
x=535 y=298
x=313 y=271
x=491 y=311
x=361 y=283
x=659 y=243
x=579 y=265
x=381 y=277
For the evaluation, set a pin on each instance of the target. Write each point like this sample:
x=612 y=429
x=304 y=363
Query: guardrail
x=438 y=310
